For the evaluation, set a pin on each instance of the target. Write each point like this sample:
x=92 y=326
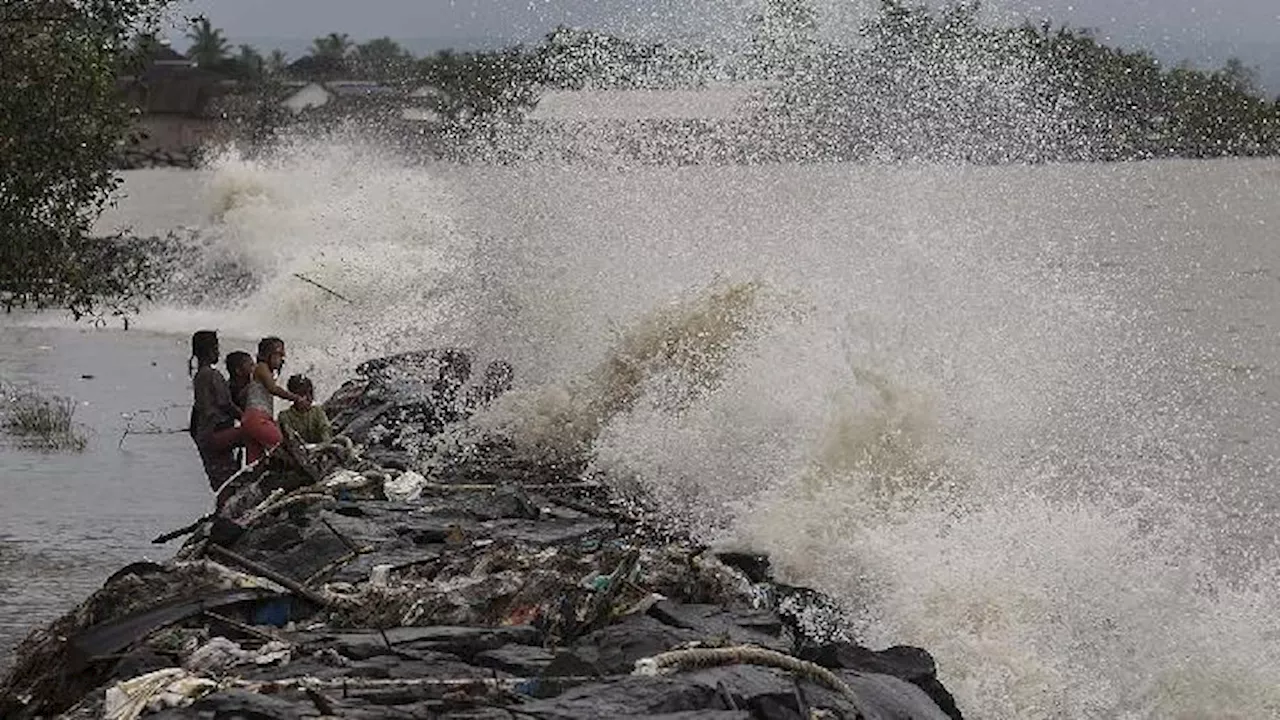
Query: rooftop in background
x=714 y=102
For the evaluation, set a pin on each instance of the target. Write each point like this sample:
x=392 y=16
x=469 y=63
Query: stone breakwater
x=339 y=581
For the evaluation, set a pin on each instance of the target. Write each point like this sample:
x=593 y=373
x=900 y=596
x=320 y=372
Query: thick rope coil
x=355 y=683
x=681 y=660
x=341 y=445
x=275 y=504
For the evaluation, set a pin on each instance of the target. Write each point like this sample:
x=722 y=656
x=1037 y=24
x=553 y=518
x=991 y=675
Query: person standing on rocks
x=213 y=414
x=258 y=420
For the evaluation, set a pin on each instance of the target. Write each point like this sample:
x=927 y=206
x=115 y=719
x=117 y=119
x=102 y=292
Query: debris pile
x=329 y=582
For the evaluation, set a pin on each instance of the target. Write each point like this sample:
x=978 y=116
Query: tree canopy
x=208 y=45
x=935 y=84
x=918 y=83
x=62 y=124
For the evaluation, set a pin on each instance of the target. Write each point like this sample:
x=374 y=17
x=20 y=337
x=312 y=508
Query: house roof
x=349 y=88
x=727 y=102
x=174 y=88
x=164 y=53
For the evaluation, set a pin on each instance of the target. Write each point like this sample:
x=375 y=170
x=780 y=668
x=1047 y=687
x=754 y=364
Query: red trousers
x=260 y=433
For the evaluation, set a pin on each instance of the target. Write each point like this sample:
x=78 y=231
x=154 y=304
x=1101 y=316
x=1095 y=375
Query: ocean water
x=1020 y=416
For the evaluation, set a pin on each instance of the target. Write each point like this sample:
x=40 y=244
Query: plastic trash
x=216 y=656
x=155 y=691
x=406 y=487
x=646 y=602
x=275 y=612
x=274 y=652
x=220 y=655
x=380 y=576
x=344 y=480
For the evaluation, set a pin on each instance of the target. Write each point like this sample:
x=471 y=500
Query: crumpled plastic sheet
x=229 y=578
x=406 y=487
x=155 y=691
x=344 y=480
x=220 y=654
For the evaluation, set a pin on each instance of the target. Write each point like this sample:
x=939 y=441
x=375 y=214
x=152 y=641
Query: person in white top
x=258 y=421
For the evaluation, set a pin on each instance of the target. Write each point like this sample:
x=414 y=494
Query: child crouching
x=311 y=424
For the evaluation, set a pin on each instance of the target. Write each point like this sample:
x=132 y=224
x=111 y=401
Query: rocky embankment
x=340 y=581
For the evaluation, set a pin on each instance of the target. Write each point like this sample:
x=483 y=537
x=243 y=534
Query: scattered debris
x=326 y=582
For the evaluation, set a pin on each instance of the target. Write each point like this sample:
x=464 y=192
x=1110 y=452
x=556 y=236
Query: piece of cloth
x=217 y=454
x=211 y=406
x=312 y=424
x=219 y=465
x=256 y=395
x=260 y=433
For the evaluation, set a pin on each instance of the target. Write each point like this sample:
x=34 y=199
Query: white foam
x=926 y=430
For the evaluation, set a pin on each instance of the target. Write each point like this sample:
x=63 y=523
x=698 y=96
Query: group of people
x=238 y=410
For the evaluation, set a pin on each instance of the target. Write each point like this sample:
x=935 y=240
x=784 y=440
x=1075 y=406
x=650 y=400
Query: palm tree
x=332 y=48
x=277 y=61
x=208 y=45
x=327 y=59
x=381 y=59
x=250 y=63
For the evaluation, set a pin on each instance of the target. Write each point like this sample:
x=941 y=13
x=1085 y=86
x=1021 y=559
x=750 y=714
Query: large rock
x=488 y=601
x=912 y=664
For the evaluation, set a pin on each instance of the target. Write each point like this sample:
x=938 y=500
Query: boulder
x=497 y=591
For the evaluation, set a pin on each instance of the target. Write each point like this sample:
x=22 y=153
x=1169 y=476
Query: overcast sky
x=1252 y=20
x=1194 y=29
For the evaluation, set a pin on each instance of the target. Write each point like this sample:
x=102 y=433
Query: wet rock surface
x=327 y=583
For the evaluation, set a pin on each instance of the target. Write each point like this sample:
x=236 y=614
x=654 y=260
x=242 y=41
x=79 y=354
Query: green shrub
x=43 y=420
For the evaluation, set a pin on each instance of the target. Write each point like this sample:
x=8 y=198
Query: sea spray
x=1006 y=544
x=1040 y=609
x=351 y=256
x=674 y=355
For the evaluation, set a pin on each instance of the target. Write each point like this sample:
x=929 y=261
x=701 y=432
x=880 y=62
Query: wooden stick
x=242 y=627
x=333 y=566
x=322 y=703
x=345 y=540
x=304 y=278
x=536 y=487
x=259 y=569
x=360 y=683
x=180 y=532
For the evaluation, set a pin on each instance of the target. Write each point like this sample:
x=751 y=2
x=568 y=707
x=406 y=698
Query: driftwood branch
x=242 y=627
x=162 y=539
x=338 y=295
x=149 y=425
x=259 y=569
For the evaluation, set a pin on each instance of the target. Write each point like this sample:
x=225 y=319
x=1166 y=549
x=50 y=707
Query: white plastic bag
x=405 y=488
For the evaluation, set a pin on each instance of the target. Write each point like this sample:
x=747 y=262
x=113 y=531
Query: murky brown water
x=1095 y=350
x=67 y=520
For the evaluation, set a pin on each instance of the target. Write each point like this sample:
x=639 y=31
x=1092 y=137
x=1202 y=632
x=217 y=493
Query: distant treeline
x=913 y=84
x=941 y=85
x=469 y=86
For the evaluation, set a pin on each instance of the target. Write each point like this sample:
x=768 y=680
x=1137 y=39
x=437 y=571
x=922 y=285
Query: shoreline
x=332 y=580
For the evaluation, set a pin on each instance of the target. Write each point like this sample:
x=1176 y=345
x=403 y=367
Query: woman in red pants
x=258 y=421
